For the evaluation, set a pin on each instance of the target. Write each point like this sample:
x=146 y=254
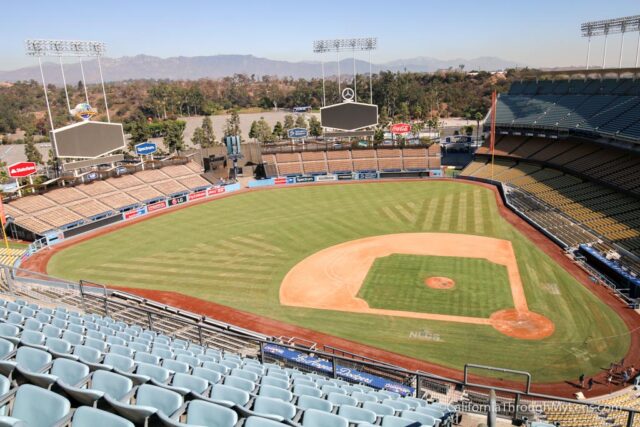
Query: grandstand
x=77 y=204
x=567 y=156
x=89 y=355
x=384 y=159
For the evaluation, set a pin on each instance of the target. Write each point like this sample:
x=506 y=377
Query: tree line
x=399 y=96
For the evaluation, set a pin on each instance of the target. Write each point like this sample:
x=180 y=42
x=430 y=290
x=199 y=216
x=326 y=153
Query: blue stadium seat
x=38 y=407
x=86 y=416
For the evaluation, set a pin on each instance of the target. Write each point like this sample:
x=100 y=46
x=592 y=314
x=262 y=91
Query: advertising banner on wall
x=321 y=178
x=280 y=181
x=134 y=213
x=342 y=372
x=157 y=206
x=304 y=179
x=178 y=200
x=215 y=190
x=198 y=195
x=344 y=177
x=368 y=175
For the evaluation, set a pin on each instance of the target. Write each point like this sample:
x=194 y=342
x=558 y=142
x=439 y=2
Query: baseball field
x=429 y=270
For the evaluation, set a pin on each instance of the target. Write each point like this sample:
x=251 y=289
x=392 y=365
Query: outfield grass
x=235 y=251
x=396 y=282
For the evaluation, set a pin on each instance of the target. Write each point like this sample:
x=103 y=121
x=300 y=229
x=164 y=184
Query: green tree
x=253 y=131
x=198 y=138
x=4 y=175
x=301 y=121
x=209 y=134
x=174 y=138
x=289 y=122
x=139 y=131
x=278 y=130
x=315 y=128
x=263 y=131
x=378 y=136
x=232 y=125
x=31 y=151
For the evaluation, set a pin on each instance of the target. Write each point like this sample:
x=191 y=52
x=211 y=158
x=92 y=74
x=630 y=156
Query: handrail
x=335 y=359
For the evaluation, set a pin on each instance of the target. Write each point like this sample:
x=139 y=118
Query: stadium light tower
x=620 y=26
x=68 y=48
x=354 y=45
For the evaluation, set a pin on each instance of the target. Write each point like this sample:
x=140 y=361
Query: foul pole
x=492 y=136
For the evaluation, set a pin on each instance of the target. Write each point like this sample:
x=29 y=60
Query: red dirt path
x=38 y=263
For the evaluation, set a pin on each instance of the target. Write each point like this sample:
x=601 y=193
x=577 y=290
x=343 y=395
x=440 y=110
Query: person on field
x=590 y=384
x=581 y=380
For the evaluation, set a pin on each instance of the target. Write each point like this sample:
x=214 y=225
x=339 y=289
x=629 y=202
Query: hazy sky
x=538 y=33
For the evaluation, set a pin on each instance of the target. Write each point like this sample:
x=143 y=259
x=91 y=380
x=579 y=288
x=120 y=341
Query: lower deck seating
x=72 y=362
x=599 y=210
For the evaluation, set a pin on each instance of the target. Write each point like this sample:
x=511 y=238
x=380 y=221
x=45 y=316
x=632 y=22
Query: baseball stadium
x=336 y=284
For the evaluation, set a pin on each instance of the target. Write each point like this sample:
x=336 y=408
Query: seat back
x=276 y=393
x=123 y=363
x=240 y=383
x=69 y=371
x=228 y=393
x=158 y=373
x=38 y=407
x=357 y=415
x=165 y=401
x=204 y=413
x=7 y=330
x=32 y=359
x=86 y=416
x=300 y=390
x=51 y=331
x=315 y=418
x=379 y=408
x=146 y=358
x=341 y=399
x=175 y=366
x=32 y=337
x=115 y=385
x=268 y=406
x=88 y=354
x=310 y=402
x=6 y=347
x=212 y=376
x=32 y=325
x=195 y=384
x=393 y=421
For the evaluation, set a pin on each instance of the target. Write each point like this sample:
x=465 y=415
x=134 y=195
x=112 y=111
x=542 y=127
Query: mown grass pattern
x=236 y=251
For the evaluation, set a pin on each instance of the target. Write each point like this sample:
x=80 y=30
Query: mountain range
x=217 y=66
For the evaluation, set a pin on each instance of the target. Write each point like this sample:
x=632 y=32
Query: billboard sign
x=297 y=133
x=178 y=200
x=304 y=179
x=156 y=206
x=400 y=128
x=198 y=195
x=349 y=116
x=134 y=213
x=146 y=148
x=88 y=140
x=342 y=372
x=215 y=190
x=22 y=169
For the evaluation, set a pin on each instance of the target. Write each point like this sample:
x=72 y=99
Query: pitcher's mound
x=524 y=325
x=439 y=283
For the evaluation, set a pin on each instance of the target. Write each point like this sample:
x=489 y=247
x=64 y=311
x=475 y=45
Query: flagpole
x=492 y=136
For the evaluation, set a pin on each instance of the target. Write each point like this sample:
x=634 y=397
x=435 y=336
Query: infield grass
x=397 y=282
x=236 y=251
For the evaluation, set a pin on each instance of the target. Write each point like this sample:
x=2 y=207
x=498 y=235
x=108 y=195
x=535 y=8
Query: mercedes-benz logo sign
x=348 y=94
